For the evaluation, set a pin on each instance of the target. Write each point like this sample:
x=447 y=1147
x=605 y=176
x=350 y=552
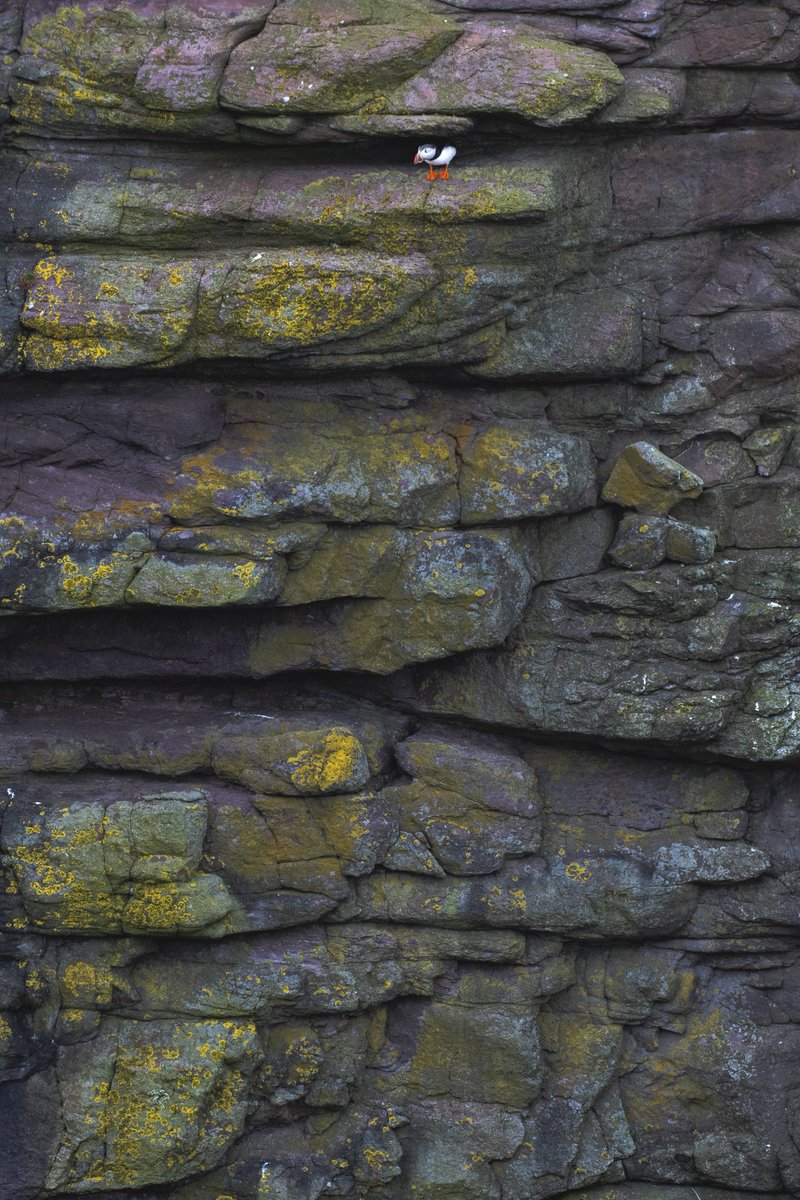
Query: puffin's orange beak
x=417 y=158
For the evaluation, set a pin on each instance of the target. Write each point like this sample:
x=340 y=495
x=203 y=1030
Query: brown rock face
x=399 y=600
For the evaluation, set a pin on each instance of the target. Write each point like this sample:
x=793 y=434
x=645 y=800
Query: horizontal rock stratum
x=399 y=600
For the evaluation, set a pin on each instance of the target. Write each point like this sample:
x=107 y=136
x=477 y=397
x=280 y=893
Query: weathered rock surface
x=649 y=481
x=399 y=601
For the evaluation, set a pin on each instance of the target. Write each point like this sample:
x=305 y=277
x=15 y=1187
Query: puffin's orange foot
x=431 y=173
x=444 y=174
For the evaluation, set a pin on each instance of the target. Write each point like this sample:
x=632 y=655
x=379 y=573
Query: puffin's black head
x=425 y=153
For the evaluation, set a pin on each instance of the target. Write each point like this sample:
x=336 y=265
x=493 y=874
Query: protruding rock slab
x=649 y=481
x=157 y=1100
x=494 y=69
x=520 y=469
x=431 y=593
x=278 y=837
x=195 y=71
x=644 y=542
x=92 y=312
x=701 y=653
x=648 y=95
x=179 y=200
x=598 y=335
x=195 y=581
x=333 y=56
x=131 y=866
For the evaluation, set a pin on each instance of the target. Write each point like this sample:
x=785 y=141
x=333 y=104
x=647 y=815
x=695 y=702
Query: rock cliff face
x=400 y=587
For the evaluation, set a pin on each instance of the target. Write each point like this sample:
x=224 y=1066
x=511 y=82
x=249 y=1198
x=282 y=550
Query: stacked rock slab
x=399 y=601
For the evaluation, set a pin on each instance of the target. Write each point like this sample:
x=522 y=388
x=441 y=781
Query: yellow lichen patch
x=78 y=578
x=94 y=53
x=172 y=1100
x=307 y=299
x=376 y=1158
x=88 y=870
x=578 y=871
x=86 y=985
x=208 y=479
x=78 y=584
x=295 y=1054
x=74 y=1016
x=177 y=907
x=85 y=310
x=247 y=573
x=60 y=871
x=47 y=302
x=63 y=336
x=63 y=354
x=61 y=169
x=59 y=36
x=514 y=469
x=49 y=269
x=329 y=766
x=94 y=524
x=193 y=581
x=158 y=907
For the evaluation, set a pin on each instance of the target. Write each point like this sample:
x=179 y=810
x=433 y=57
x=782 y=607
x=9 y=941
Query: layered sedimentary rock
x=399 y=601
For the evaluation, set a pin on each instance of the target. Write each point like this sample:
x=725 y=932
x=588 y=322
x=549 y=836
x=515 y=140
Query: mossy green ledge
x=175 y=201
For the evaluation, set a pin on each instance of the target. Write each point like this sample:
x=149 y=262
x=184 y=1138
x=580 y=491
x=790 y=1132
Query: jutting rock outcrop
x=400 y=601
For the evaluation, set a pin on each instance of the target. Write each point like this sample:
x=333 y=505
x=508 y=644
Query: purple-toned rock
x=525 y=75
x=732 y=35
x=706 y=181
x=332 y=56
x=383 y=814
x=183 y=70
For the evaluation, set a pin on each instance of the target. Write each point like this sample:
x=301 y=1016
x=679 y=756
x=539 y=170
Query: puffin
x=427 y=154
